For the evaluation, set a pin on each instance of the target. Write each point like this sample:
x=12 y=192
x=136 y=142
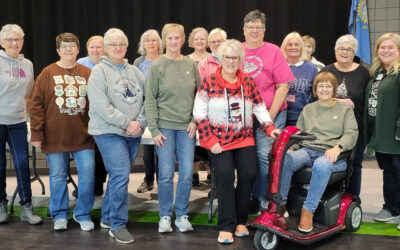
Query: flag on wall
x=358 y=26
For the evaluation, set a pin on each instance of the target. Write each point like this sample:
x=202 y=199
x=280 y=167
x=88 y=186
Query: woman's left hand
x=191 y=130
x=332 y=154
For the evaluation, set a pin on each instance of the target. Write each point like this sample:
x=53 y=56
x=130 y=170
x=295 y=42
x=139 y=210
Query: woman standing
x=300 y=90
x=352 y=78
x=58 y=108
x=116 y=91
x=224 y=109
x=382 y=120
x=150 y=48
x=198 y=41
x=16 y=81
x=171 y=85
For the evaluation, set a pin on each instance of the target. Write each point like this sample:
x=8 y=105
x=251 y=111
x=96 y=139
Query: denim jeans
x=119 y=154
x=390 y=164
x=355 y=179
x=179 y=145
x=59 y=164
x=16 y=137
x=150 y=163
x=263 y=145
x=322 y=169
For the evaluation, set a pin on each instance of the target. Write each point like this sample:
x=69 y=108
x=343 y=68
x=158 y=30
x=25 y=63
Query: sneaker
x=183 y=224
x=145 y=187
x=398 y=227
x=122 y=235
x=3 y=212
x=105 y=225
x=86 y=225
x=385 y=215
x=164 y=226
x=28 y=215
x=196 y=180
x=60 y=224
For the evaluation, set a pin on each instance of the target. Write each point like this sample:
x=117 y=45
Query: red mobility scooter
x=336 y=211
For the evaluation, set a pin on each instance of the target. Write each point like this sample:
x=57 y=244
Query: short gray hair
x=254 y=16
x=231 y=45
x=11 y=28
x=147 y=33
x=347 y=39
x=114 y=32
x=217 y=31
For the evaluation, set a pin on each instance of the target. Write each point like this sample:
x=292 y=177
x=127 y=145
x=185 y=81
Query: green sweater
x=331 y=125
x=387 y=122
x=170 y=90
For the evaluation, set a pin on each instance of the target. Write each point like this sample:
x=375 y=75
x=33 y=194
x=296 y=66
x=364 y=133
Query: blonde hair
x=376 y=62
x=303 y=56
x=217 y=31
x=193 y=33
x=170 y=27
x=310 y=40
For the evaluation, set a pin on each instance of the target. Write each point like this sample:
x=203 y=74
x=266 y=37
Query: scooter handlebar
x=303 y=136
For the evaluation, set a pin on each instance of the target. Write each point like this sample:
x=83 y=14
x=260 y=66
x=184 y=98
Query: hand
x=397 y=138
x=347 y=100
x=158 y=140
x=216 y=149
x=36 y=144
x=191 y=130
x=332 y=154
x=134 y=128
x=275 y=133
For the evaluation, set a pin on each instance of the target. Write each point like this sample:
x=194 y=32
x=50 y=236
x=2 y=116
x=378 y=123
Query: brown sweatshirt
x=58 y=108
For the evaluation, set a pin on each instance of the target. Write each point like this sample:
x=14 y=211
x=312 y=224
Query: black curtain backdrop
x=42 y=20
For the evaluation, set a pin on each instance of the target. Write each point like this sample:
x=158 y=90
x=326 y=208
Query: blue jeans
x=179 y=145
x=322 y=169
x=119 y=154
x=59 y=164
x=16 y=137
x=264 y=144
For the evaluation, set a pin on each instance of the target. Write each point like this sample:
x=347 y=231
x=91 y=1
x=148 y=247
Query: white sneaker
x=86 y=225
x=60 y=224
x=164 y=226
x=183 y=224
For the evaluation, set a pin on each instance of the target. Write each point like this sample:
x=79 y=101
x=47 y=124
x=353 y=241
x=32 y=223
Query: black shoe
x=196 y=180
x=253 y=205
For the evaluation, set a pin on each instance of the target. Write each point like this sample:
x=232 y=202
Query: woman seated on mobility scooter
x=335 y=128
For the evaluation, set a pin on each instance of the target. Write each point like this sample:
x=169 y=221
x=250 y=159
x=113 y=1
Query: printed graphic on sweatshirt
x=126 y=90
x=16 y=71
x=70 y=97
x=253 y=66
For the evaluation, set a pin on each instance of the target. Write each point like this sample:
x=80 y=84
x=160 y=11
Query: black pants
x=232 y=202
x=150 y=164
x=390 y=164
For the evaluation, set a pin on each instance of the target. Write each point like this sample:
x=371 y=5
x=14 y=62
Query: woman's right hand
x=158 y=140
x=36 y=144
x=216 y=149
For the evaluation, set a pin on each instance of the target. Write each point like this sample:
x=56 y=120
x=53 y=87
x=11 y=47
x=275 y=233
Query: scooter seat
x=303 y=176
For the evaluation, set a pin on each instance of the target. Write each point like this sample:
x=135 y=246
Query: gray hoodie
x=115 y=97
x=16 y=81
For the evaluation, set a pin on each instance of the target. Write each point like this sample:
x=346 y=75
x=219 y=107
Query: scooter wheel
x=265 y=240
x=353 y=217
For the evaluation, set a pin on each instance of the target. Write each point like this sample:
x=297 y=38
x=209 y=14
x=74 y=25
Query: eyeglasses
x=324 y=86
x=348 y=50
x=258 y=28
x=216 y=42
x=229 y=58
x=11 y=40
x=68 y=46
x=150 y=41
x=114 y=45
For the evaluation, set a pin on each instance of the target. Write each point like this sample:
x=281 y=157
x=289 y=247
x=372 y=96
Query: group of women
x=175 y=96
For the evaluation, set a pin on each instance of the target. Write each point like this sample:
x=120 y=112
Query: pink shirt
x=207 y=66
x=268 y=67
